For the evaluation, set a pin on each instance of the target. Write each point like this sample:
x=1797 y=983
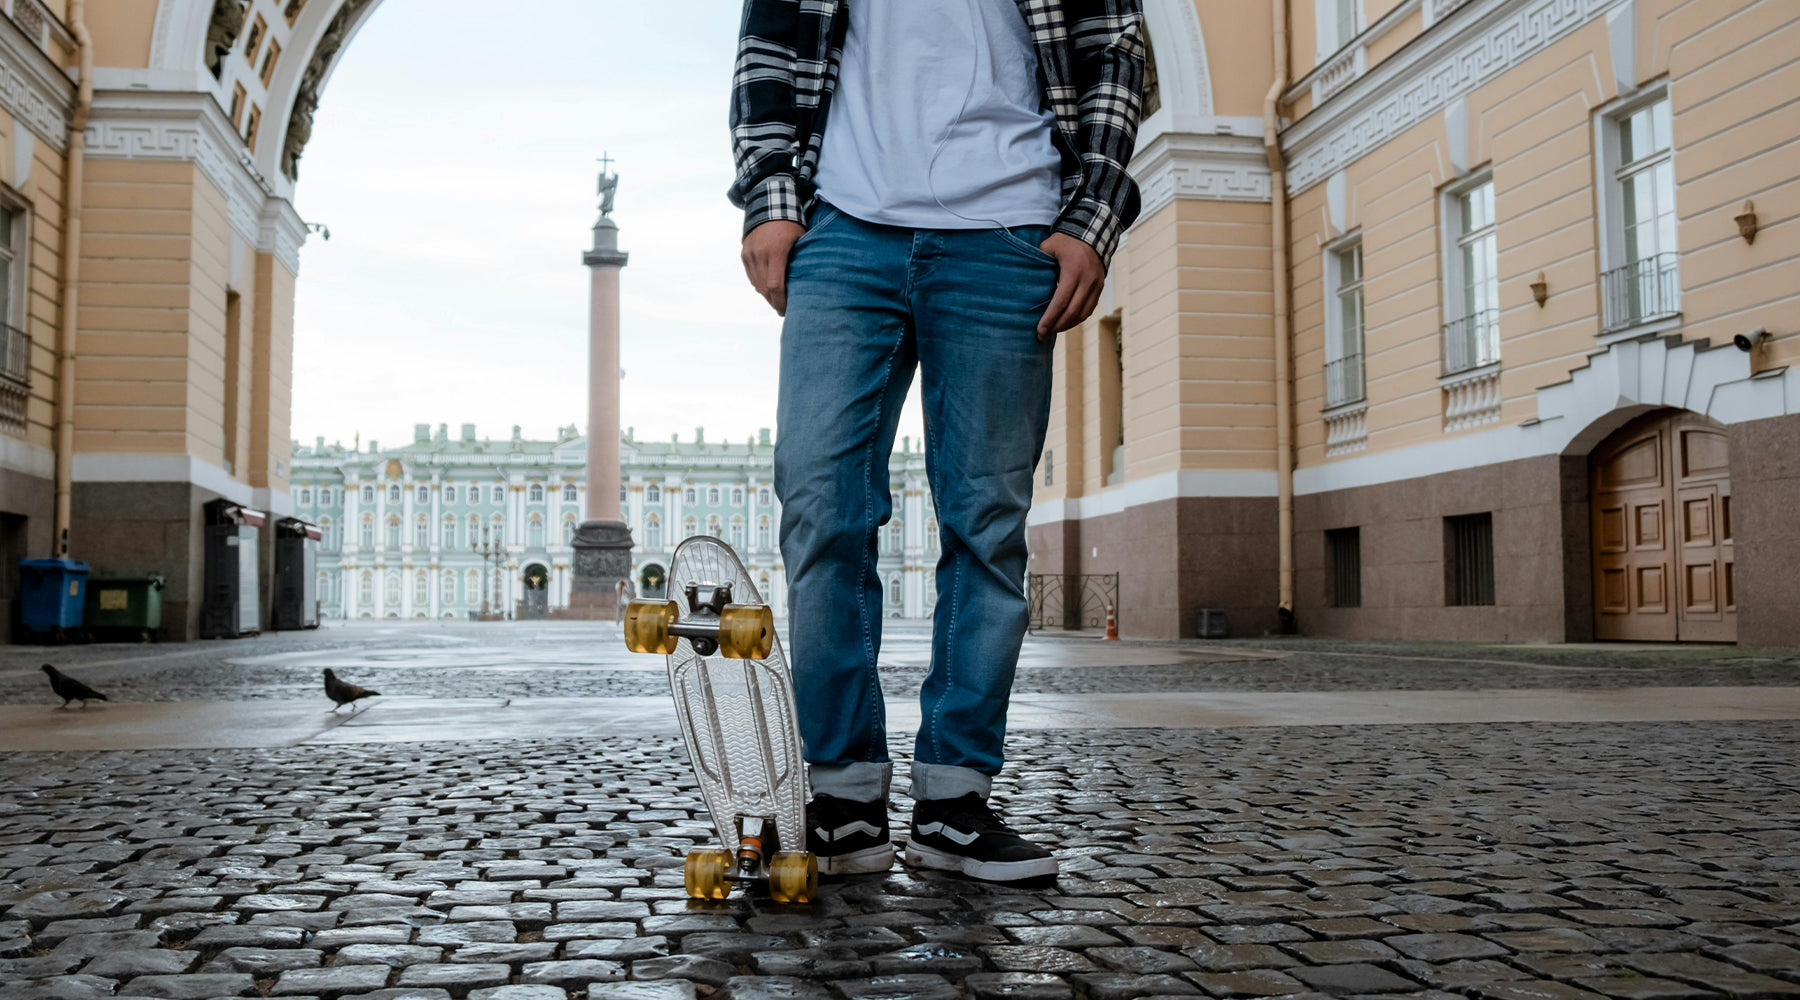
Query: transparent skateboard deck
x=737 y=716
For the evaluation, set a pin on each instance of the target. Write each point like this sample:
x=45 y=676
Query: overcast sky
x=454 y=161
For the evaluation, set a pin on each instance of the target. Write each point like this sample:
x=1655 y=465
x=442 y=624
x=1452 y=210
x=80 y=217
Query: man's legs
x=847 y=357
x=986 y=385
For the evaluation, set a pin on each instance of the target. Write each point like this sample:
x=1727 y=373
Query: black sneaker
x=850 y=838
x=964 y=835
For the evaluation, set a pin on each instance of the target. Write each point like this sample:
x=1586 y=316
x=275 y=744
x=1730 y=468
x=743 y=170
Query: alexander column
x=603 y=542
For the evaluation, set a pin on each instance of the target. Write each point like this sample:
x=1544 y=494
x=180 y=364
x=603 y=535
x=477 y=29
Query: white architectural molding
x=180 y=30
x=191 y=128
x=1177 y=165
x=33 y=90
x=1183 y=484
x=1617 y=384
x=1339 y=72
x=20 y=455
x=1347 y=429
x=1488 y=39
x=1436 y=10
x=1471 y=398
x=127 y=467
x=1183 y=78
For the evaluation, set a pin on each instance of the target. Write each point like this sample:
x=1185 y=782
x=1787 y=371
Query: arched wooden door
x=1662 y=531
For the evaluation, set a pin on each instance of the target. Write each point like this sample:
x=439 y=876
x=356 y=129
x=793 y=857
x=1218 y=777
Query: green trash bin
x=124 y=607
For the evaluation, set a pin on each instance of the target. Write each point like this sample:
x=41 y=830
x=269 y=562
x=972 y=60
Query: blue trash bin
x=52 y=592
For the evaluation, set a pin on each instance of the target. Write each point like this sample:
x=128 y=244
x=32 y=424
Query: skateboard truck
x=713 y=624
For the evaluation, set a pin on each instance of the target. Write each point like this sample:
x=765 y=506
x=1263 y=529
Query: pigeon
x=69 y=689
x=342 y=694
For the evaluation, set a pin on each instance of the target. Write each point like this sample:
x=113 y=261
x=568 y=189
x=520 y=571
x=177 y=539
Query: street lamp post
x=490 y=548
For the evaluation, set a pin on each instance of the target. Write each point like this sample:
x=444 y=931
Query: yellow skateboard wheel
x=647 y=625
x=746 y=631
x=704 y=874
x=794 y=877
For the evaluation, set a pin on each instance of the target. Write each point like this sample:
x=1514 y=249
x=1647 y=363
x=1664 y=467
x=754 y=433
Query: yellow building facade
x=1426 y=328
x=1449 y=352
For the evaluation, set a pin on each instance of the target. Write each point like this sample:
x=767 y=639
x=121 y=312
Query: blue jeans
x=866 y=305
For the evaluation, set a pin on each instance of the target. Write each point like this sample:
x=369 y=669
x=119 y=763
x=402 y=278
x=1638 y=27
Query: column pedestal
x=602 y=560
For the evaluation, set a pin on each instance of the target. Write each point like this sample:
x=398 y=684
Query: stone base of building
x=1765 y=510
x=27 y=531
x=602 y=562
x=134 y=529
x=1174 y=558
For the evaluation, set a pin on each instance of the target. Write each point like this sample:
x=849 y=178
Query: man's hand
x=1079 y=281
x=766 y=252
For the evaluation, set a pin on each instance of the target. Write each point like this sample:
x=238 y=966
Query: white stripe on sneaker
x=965 y=839
x=846 y=830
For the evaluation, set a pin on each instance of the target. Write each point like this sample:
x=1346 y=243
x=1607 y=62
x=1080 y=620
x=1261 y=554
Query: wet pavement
x=1344 y=848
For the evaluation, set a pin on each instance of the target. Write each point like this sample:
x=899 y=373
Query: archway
x=537 y=591
x=1660 y=495
x=652 y=580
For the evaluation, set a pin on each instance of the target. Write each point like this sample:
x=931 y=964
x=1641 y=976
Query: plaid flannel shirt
x=1090 y=64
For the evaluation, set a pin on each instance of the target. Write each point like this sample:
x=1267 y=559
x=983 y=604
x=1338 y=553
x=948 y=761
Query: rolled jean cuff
x=947 y=781
x=858 y=781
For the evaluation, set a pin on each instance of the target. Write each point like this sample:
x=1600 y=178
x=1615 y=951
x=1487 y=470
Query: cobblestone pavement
x=1518 y=862
x=562 y=660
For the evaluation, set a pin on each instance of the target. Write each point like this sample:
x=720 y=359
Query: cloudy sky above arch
x=453 y=159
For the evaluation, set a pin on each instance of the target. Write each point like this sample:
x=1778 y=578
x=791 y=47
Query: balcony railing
x=1640 y=292
x=1344 y=380
x=1472 y=342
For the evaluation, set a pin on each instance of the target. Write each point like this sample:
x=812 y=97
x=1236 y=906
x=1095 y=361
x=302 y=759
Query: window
x=534 y=532
x=306 y=498
x=737 y=496
x=894 y=590
x=535 y=494
x=1339 y=22
x=1050 y=468
x=712 y=497
x=368 y=494
x=474 y=531
x=762 y=497
x=497 y=495
x=421 y=590
x=690 y=497
x=896 y=537
x=325 y=540
x=447 y=588
x=762 y=533
x=394 y=494
x=689 y=527
x=1472 y=300
x=569 y=529
x=1469 y=560
x=367 y=535
x=652 y=494
x=714 y=527
x=1343 y=555
x=653 y=532
x=621 y=495
x=449 y=535
x=497 y=529
x=569 y=492
x=268 y=66
x=449 y=494
x=1643 y=282
x=239 y=98
x=1344 y=325
x=931 y=537
x=292 y=10
x=421 y=533
x=365 y=589
x=393 y=533
x=422 y=495
x=253 y=128
x=259 y=29
x=737 y=533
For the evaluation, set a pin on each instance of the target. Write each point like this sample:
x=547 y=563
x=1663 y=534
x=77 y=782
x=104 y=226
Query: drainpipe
x=1284 y=360
x=71 y=283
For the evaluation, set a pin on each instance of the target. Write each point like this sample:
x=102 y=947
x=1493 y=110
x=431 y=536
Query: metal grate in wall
x=1469 y=569
x=1343 y=552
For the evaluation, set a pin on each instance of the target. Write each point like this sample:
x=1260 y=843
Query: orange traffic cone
x=1112 y=623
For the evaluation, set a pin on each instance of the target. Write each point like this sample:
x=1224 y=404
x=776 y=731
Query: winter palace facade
x=444 y=526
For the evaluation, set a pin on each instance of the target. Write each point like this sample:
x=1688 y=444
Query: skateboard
x=735 y=700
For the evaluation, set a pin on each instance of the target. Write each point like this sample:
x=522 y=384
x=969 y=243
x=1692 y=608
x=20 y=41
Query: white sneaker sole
x=864 y=862
x=922 y=856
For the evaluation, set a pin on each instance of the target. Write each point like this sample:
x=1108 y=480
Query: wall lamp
x=1746 y=222
x=1540 y=290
